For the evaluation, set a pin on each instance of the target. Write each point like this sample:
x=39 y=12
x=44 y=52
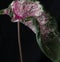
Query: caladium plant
x=32 y=14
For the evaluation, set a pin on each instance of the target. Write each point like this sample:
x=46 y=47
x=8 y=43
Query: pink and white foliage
x=24 y=9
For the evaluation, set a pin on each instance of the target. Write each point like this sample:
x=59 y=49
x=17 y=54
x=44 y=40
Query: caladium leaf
x=50 y=45
x=47 y=35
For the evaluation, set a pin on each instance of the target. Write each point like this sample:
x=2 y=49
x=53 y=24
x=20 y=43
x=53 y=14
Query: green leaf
x=1 y=12
x=51 y=45
x=27 y=19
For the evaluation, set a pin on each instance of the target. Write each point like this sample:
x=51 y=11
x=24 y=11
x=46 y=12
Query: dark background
x=8 y=36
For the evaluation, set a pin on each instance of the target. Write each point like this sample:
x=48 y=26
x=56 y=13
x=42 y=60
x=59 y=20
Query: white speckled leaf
x=51 y=45
x=49 y=42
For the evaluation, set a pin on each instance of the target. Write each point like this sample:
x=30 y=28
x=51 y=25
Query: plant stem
x=19 y=42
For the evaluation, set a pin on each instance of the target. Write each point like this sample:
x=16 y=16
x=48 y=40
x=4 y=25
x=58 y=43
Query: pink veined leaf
x=24 y=9
x=30 y=25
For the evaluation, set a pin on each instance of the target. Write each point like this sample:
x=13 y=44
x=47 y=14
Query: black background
x=8 y=36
